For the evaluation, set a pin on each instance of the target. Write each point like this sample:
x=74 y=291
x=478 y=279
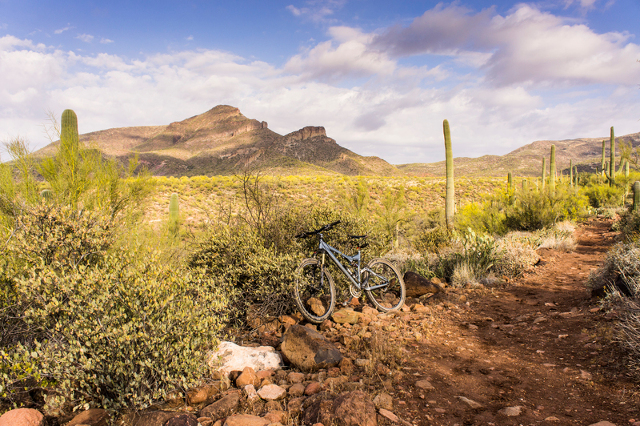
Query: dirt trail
x=537 y=344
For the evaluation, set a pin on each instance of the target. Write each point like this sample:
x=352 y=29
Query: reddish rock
x=295 y=377
x=354 y=409
x=309 y=350
x=204 y=393
x=248 y=377
x=278 y=416
x=346 y=366
x=312 y=388
x=183 y=419
x=22 y=417
x=91 y=417
x=416 y=285
x=245 y=420
x=223 y=407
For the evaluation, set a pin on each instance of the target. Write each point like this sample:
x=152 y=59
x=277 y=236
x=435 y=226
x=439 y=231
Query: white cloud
x=317 y=10
x=105 y=41
x=61 y=30
x=87 y=38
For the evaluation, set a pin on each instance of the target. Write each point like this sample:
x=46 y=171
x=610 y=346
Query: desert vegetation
x=115 y=283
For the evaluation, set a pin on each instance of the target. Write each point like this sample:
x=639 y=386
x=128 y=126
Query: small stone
x=440 y=410
x=383 y=400
x=539 y=320
x=295 y=377
x=388 y=415
x=602 y=423
x=205 y=421
x=425 y=385
x=251 y=393
x=585 y=375
x=326 y=325
x=248 y=377
x=346 y=366
x=551 y=419
x=297 y=390
x=470 y=402
x=312 y=388
x=245 y=420
x=345 y=316
x=276 y=416
x=511 y=411
x=273 y=406
x=223 y=407
x=271 y=392
x=361 y=362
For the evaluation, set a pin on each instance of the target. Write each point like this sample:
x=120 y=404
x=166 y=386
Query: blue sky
x=380 y=76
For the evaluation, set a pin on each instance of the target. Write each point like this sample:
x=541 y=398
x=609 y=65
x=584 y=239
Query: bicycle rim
x=390 y=292
x=314 y=291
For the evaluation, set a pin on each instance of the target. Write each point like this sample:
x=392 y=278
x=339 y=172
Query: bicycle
x=315 y=293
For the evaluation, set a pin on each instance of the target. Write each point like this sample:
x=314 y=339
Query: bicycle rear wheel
x=315 y=293
x=384 y=285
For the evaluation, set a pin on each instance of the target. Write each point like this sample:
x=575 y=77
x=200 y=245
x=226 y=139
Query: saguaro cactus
x=69 y=130
x=603 y=159
x=544 y=172
x=570 y=172
x=552 y=169
x=174 y=208
x=636 y=196
x=611 y=174
x=510 y=182
x=449 y=200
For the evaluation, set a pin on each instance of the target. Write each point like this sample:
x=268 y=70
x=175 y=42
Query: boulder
x=416 y=285
x=223 y=407
x=229 y=357
x=308 y=350
x=91 y=417
x=22 y=417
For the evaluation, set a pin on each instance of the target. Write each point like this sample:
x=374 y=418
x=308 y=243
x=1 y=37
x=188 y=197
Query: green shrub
x=601 y=195
x=629 y=225
x=487 y=217
x=93 y=325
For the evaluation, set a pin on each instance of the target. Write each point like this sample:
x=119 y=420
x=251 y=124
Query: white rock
x=251 y=393
x=602 y=423
x=230 y=357
x=271 y=392
x=511 y=411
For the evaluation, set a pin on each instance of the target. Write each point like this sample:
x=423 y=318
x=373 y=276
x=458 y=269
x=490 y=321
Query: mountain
x=222 y=141
x=527 y=160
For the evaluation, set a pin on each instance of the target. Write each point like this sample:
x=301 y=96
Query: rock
x=318 y=409
x=229 y=357
x=345 y=316
x=354 y=409
x=425 y=385
x=223 y=407
x=295 y=405
x=248 y=377
x=361 y=362
x=245 y=420
x=296 y=390
x=416 y=285
x=295 y=377
x=388 y=415
x=251 y=393
x=277 y=416
x=183 y=419
x=511 y=411
x=149 y=418
x=306 y=133
x=92 y=417
x=22 y=417
x=326 y=325
x=346 y=366
x=308 y=350
x=205 y=421
x=273 y=406
x=585 y=375
x=602 y=423
x=383 y=400
x=470 y=402
x=312 y=388
x=204 y=393
x=271 y=392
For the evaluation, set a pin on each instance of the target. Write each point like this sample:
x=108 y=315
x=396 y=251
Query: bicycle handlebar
x=317 y=231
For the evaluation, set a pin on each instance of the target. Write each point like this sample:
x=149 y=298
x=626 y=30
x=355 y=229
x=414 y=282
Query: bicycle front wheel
x=384 y=285
x=315 y=293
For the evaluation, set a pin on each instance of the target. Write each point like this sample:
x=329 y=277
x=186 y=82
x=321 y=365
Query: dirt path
x=536 y=344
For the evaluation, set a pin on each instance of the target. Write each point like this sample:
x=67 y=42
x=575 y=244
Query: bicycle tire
x=389 y=297
x=314 y=297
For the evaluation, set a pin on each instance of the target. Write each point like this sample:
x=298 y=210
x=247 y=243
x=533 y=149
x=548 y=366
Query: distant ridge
x=222 y=141
x=526 y=160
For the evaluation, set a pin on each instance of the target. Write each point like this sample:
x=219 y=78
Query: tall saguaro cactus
x=449 y=200
x=602 y=160
x=552 y=169
x=611 y=175
x=636 y=196
x=69 y=138
x=544 y=172
x=570 y=172
x=174 y=215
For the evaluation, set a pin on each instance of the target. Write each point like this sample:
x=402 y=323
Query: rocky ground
x=533 y=351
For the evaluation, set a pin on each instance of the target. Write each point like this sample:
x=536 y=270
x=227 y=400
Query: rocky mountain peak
x=306 y=133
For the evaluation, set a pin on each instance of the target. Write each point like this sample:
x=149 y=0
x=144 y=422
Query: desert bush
x=628 y=225
x=486 y=217
x=603 y=195
x=620 y=274
x=541 y=209
x=515 y=254
x=95 y=325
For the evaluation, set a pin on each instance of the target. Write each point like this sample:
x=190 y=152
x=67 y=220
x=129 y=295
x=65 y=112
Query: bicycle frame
x=325 y=248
